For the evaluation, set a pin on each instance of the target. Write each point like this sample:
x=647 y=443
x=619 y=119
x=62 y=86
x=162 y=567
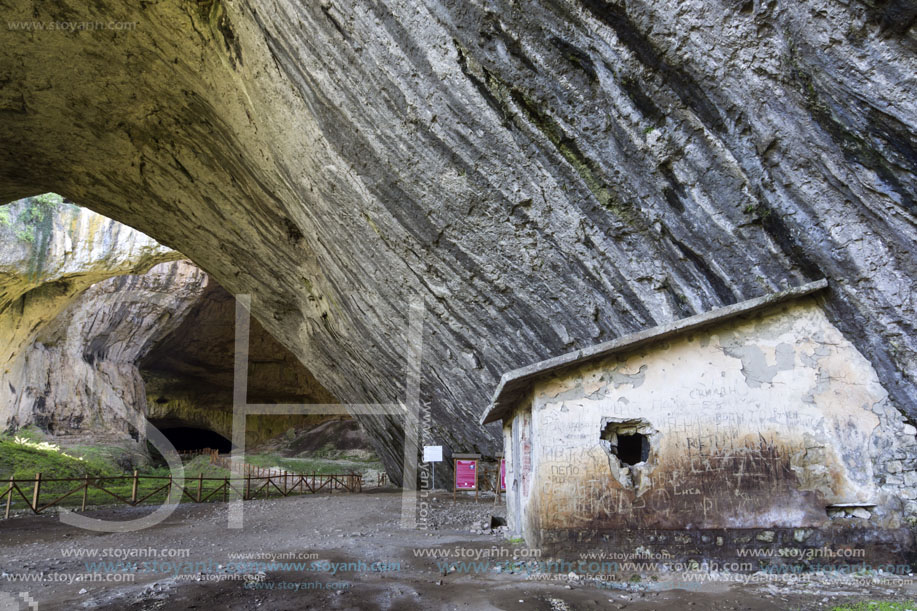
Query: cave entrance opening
x=190 y=439
x=148 y=333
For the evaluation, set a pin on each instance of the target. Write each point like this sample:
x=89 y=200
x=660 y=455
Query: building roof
x=514 y=384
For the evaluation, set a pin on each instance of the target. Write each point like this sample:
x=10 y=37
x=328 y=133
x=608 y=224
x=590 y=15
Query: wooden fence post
x=169 y=490
x=248 y=487
x=9 y=498
x=85 y=493
x=134 y=489
x=200 y=485
x=36 y=492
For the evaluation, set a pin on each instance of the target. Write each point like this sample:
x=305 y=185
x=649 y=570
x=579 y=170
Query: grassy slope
x=100 y=464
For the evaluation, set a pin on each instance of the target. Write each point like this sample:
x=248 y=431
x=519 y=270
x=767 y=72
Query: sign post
x=433 y=455
x=466 y=473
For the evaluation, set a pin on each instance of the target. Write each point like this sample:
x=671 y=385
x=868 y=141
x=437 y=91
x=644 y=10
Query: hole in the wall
x=628 y=443
x=632 y=449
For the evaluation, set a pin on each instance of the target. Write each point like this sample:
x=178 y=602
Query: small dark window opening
x=632 y=449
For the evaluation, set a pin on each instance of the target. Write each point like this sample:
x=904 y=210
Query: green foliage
x=26 y=432
x=48 y=200
x=31 y=455
x=39 y=208
x=35 y=219
x=5 y=217
x=23 y=461
x=26 y=234
x=25 y=453
x=35 y=224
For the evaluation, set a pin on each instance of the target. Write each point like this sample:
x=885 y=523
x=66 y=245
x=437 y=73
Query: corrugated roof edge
x=515 y=382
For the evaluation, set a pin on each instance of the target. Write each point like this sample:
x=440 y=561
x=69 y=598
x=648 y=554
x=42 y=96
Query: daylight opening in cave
x=188 y=439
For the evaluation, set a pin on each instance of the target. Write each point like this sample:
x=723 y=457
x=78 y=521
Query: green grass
x=114 y=481
x=24 y=454
x=23 y=462
x=877 y=605
x=22 y=458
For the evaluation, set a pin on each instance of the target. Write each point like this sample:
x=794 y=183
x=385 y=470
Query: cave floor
x=345 y=552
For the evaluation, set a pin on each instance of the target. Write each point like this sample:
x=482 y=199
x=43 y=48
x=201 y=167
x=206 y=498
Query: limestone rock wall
x=81 y=296
x=79 y=376
x=51 y=253
x=89 y=337
x=544 y=174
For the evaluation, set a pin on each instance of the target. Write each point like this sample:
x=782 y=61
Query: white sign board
x=433 y=453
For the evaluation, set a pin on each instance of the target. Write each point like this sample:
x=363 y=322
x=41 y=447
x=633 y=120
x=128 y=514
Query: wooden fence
x=223 y=460
x=139 y=489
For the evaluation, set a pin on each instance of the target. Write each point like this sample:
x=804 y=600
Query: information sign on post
x=466 y=473
x=433 y=454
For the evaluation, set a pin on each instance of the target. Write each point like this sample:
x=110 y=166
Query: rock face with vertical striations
x=544 y=175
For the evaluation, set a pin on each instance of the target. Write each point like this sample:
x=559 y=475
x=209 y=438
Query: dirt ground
x=349 y=551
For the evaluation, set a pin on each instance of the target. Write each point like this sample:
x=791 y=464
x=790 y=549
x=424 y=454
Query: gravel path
x=340 y=551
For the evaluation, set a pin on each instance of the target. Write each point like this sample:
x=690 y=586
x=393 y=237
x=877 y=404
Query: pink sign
x=465 y=474
x=502 y=474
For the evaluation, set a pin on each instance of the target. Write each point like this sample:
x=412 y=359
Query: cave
x=543 y=179
x=191 y=438
x=531 y=181
x=188 y=373
x=132 y=329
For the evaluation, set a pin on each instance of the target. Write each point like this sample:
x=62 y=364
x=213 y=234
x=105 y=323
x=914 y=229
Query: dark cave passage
x=186 y=439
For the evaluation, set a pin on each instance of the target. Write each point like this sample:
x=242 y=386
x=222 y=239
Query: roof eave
x=513 y=381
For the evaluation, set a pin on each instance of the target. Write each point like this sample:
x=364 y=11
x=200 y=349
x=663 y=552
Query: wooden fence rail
x=137 y=489
x=224 y=461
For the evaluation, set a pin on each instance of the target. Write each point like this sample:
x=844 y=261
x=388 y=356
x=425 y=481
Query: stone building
x=756 y=421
